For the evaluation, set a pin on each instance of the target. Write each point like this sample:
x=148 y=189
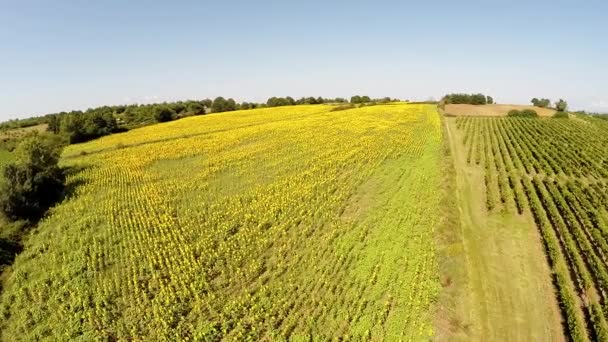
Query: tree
x=178 y=107
x=207 y=103
x=53 y=123
x=164 y=114
x=34 y=181
x=196 y=108
x=543 y=103
x=230 y=105
x=355 y=99
x=281 y=101
x=247 y=105
x=365 y=99
x=474 y=99
x=219 y=105
x=561 y=105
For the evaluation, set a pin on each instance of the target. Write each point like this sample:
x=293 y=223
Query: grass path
x=510 y=297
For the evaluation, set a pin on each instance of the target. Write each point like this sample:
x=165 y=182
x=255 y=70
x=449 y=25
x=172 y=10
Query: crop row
x=554 y=169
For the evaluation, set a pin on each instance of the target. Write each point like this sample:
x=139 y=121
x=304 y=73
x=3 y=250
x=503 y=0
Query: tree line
x=560 y=105
x=356 y=99
x=473 y=99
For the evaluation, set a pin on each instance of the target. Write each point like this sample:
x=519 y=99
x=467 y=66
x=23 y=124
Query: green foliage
x=542 y=103
x=34 y=181
x=561 y=105
x=524 y=113
x=360 y=99
x=280 y=101
x=196 y=108
x=79 y=127
x=220 y=105
x=164 y=114
x=474 y=99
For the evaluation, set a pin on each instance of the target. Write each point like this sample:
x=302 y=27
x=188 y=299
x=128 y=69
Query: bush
x=525 y=113
x=543 y=103
x=33 y=182
x=164 y=114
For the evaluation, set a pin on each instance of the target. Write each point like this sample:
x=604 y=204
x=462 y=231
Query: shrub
x=164 y=114
x=33 y=182
x=525 y=113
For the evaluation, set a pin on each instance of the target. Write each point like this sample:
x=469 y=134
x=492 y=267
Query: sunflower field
x=269 y=224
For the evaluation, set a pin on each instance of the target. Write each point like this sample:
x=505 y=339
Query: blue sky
x=63 y=55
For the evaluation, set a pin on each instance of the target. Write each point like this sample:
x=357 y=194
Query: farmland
x=492 y=110
x=269 y=224
x=553 y=171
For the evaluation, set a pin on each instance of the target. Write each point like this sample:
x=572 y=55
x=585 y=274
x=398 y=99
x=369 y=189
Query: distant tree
x=178 y=107
x=164 y=114
x=474 y=99
x=478 y=99
x=561 y=105
x=355 y=99
x=196 y=108
x=365 y=99
x=34 y=181
x=120 y=109
x=53 y=123
x=543 y=103
x=230 y=105
x=219 y=105
x=282 y=101
x=207 y=103
x=489 y=100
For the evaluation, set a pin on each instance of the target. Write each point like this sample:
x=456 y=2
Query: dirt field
x=492 y=110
